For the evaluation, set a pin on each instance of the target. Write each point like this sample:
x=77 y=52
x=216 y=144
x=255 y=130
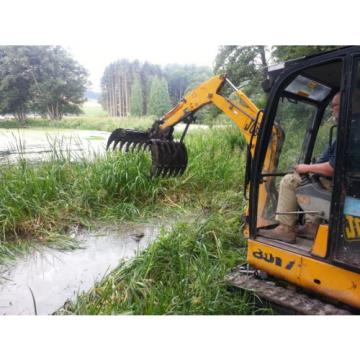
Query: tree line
x=43 y=80
x=134 y=88
x=47 y=81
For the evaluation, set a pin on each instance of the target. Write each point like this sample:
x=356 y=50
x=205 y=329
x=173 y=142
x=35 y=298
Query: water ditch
x=43 y=280
x=41 y=145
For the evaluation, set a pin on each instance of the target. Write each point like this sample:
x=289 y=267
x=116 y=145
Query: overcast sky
x=96 y=58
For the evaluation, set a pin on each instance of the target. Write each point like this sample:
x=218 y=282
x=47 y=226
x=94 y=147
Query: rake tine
x=138 y=146
x=168 y=147
x=128 y=146
x=171 y=172
x=155 y=172
x=115 y=142
x=175 y=171
x=166 y=172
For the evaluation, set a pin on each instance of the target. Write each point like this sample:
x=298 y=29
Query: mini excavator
x=312 y=276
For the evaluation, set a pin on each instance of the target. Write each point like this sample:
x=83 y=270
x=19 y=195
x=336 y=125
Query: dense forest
x=134 y=88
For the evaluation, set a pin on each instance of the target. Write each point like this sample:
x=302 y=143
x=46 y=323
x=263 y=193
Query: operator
x=287 y=202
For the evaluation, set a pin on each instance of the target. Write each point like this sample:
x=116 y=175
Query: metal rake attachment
x=169 y=158
x=129 y=139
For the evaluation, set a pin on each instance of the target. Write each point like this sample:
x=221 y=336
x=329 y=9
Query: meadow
x=183 y=271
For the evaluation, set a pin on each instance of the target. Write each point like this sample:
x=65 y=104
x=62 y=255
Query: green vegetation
x=44 y=80
x=136 y=100
x=182 y=273
x=159 y=100
x=53 y=195
x=84 y=123
x=131 y=87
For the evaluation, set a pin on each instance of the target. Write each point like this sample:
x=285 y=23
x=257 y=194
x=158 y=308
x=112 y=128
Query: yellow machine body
x=305 y=271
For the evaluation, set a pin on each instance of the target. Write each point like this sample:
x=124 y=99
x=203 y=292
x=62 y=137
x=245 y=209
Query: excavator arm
x=169 y=156
x=243 y=112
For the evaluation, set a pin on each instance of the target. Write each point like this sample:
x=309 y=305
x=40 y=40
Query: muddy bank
x=43 y=281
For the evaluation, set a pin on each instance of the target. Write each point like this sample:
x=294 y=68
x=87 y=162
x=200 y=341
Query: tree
x=116 y=88
x=41 y=79
x=136 y=99
x=243 y=64
x=182 y=78
x=284 y=53
x=159 y=100
x=59 y=83
x=148 y=71
x=15 y=81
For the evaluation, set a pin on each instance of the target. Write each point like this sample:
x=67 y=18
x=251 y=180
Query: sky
x=96 y=58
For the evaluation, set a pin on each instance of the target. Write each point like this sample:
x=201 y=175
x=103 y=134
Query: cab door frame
x=352 y=60
x=343 y=55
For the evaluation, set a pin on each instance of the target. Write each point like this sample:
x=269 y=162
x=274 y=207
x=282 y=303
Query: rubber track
x=287 y=298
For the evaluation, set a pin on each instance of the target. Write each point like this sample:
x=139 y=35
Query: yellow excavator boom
x=170 y=157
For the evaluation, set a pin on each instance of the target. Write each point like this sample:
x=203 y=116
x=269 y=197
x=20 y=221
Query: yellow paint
x=352 y=228
x=304 y=271
x=321 y=241
x=246 y=115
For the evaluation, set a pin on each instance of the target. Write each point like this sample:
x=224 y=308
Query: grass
x=82 y=123
x=183 y=272
x=93 y=118
x=54 y=195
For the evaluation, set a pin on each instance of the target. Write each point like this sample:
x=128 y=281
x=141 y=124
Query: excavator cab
x=300 y=94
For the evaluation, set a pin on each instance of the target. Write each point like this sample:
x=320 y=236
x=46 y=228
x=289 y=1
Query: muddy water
x=35 y=145
x=55 y=277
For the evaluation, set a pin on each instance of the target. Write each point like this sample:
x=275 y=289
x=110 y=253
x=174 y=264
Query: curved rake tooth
x=175 y=171
x=171 y=172
x=137 y=146
x=166 y=172
x=128 y=144
x=115 y=142
x=161 y=171
x=122 y=143
x=182 y=170
x=133 y=146
x=154 y=172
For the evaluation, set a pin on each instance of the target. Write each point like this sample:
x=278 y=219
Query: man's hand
x=324 y=169
x=302 y=168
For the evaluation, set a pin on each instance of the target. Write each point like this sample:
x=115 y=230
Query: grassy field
x=182 y=273
x=93 y=118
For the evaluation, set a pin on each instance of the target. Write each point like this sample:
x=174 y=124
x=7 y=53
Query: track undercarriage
x=282 y=297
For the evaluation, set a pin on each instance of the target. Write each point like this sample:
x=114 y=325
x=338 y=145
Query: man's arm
x=324 y=169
